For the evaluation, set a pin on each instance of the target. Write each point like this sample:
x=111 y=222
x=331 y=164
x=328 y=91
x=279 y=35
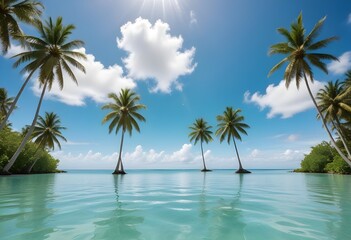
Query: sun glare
x=161 y=7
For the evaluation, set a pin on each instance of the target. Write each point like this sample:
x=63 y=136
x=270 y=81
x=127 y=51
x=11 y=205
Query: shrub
x=10 y=140
x=338 y=166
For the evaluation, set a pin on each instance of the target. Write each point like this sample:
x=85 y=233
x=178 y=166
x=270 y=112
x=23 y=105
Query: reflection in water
x=25 y=206
x=332 y=196
x=163 y=205
x=225 y=219
x=119 y=223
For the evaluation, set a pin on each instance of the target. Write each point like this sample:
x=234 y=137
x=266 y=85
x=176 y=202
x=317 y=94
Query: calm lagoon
x=176 y=204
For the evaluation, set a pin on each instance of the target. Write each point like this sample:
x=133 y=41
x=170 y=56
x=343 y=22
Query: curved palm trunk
x=119 y=168
x=31 y=167
x=341 y=135
x=29 y=133
x=203 y=160
x=348 y=161
x=241 y=169
x=13 y=105
x=237 y=154
x=35 y=161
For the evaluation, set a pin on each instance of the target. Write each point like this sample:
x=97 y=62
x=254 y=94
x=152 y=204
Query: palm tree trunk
x=237 y=154
x=348 y=161
x=203 y=158
x=341 y=135
x=31 y=167
x=119 y=163
x=35 y=161
x=29 y=133
x=3 y=123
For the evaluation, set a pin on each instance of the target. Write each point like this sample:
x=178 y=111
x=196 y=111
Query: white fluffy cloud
x=154 y=54
x=349 y=19
x=341 y=66
x=283 y=101
x=95 y=84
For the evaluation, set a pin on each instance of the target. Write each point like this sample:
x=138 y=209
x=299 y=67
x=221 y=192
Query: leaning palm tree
x=5 y=103
x=124 y=115
x=13 y=11
x=334 y=103
x=299 y=49
x=51 y=54
x=200 y=131
x=229 y=127
x=47 y=133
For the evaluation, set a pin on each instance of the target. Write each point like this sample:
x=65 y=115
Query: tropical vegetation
x=9 y=140
x=300 y=55
x=11 y=13
x=5 y=103
x=230 y=126
x=124 y=115
x=200 y=131
x=51 y=55
x=323 y=158
x=47 y=133
x=335 y=103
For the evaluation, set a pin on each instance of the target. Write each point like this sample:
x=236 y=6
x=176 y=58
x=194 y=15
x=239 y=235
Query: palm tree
x=229 y=127
x=334 y=103
x=200 y=131
x=51 y=54
x=299 y=49
x=347 y=82
x=5 y=103
x=124 y=114
x=47 y=133
x=12 y=11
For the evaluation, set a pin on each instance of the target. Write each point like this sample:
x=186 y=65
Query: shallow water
x=178 y=204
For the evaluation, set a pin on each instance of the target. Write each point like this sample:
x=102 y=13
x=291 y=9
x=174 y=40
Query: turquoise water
x=182 y=204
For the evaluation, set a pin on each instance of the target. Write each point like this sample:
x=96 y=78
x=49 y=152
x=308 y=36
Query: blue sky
x=208 y=55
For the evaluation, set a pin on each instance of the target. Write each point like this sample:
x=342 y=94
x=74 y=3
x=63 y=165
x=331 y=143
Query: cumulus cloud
x=193 y=19
x=185 y=157
x=282 y=101
x=341 y=66
x=95 y=84
x=349 y=19
x=154 y=54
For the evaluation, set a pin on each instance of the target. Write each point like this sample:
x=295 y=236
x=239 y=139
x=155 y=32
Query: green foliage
x=318 y=158
x=324 y=159
x=338 y=166
x=9 y=141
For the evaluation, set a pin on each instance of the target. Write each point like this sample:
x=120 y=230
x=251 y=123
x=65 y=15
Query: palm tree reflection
x=225 y=218
x=121 y=221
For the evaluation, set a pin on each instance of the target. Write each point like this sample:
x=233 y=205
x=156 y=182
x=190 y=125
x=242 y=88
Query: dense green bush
x=10 y=140
x=324 y=158
x=338 y=166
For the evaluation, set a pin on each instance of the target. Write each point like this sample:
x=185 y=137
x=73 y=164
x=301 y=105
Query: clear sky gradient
x=187 y=59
